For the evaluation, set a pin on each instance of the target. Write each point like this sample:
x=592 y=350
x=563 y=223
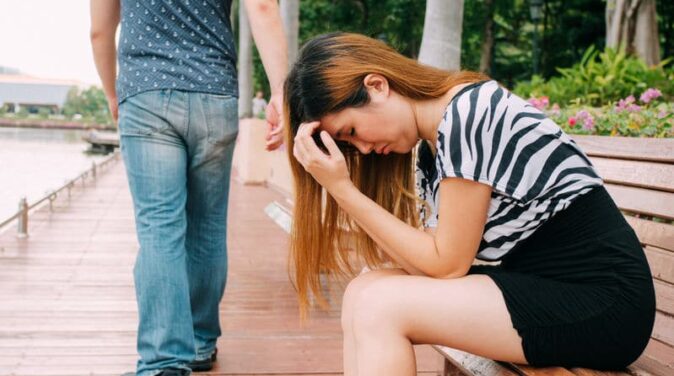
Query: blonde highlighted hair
x=326 y=78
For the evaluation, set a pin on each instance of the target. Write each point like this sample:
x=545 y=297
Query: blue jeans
x=177 y=148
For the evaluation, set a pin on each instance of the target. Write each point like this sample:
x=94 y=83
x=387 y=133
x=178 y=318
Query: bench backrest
x=639 y=175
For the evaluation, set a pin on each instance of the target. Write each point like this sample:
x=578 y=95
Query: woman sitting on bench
x=497 y=180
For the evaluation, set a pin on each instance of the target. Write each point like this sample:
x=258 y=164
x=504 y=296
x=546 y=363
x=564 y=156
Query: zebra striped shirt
x=493 y=137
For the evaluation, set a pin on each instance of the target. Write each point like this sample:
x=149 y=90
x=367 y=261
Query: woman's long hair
x=326 y=78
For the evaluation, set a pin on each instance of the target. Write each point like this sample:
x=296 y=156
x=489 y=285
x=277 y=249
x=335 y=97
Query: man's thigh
x=155 y=158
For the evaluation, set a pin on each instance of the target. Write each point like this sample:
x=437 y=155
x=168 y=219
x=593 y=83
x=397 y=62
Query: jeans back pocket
x=144 y=114
x=222 y=117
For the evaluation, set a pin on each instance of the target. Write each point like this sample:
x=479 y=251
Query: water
x=35 y=161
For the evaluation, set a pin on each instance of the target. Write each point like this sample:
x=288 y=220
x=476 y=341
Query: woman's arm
x=462 y=214
x=447 y=254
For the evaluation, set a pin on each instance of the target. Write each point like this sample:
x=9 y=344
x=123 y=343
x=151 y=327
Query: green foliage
x=568 y=28
x=23 y=112
x=665 y=10
x=90 y=103
x=260 y=81
x=43 y=113
x=398 y=22
x=598 y=79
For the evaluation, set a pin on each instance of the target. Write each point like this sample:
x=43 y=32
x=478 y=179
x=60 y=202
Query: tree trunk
x=646 y=39
x=290 y=13
x=245 y=64
x=441 y=42
x=487 y=38
x=632 y=24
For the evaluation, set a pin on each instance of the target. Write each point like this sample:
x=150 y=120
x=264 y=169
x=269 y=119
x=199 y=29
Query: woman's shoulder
x=461 y=90
x=477 y=95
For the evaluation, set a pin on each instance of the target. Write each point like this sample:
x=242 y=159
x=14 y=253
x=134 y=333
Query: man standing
x=177 y=95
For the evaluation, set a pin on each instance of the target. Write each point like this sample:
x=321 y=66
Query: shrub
x=600 y=78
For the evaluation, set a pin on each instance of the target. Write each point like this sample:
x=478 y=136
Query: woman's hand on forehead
x=329 y=169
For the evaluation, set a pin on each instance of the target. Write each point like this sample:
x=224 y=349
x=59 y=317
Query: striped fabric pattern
x=493 y=137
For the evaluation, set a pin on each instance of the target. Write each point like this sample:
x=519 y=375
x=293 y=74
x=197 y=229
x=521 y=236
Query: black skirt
x=579 y=290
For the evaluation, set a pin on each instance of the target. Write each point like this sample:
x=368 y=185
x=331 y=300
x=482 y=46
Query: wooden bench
x=639 y=175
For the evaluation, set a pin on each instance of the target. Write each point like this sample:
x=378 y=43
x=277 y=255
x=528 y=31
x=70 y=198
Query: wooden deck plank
x=68 y=302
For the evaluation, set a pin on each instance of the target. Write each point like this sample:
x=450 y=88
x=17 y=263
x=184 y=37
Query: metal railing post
x=22 y=214
x=22 y=226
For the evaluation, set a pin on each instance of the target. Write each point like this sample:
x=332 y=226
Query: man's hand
x=274 y=114
x=113 y=107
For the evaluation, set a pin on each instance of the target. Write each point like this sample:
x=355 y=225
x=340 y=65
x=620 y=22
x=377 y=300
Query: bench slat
x=659 y=235
x=661 y=263
x=642 y=201
x=657 y=359
x=639 y=149
x=542 y=371
x=592 y=372
x=645 y=366
x=663 y=330
x=470 y=364
x=664 y=293
x=649 y=175
x=661 y=352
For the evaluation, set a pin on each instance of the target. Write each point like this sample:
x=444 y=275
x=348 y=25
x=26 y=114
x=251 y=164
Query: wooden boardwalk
x=67 y=302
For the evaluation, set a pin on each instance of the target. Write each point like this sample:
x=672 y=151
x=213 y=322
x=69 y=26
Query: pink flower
x=588 y=124
x=650 y=94
x=555 y=110
x=540 y=103
x=662 y=114
x=586 y=119
x=572 y=122
x=634 y=108
x=623 y=104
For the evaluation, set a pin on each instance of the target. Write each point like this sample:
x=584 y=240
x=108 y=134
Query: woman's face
x=385 y=125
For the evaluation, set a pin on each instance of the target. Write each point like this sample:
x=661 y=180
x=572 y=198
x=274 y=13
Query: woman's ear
x=376 y=85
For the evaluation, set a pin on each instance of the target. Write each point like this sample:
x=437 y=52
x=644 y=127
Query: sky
x=47 y=39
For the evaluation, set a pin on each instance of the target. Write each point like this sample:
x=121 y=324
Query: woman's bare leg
x=385 y=312
x=349 y=344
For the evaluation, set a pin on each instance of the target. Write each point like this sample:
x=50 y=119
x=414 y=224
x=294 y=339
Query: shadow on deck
x=68 y=303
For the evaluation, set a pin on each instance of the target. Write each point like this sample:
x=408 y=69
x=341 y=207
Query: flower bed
x=649 y=116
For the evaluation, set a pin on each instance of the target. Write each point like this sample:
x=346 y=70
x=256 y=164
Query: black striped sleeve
x=465 y=136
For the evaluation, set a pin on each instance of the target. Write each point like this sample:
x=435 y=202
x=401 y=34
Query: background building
x=19 y=91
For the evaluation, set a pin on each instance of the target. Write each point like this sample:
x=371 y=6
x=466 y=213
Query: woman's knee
x=367 y=300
